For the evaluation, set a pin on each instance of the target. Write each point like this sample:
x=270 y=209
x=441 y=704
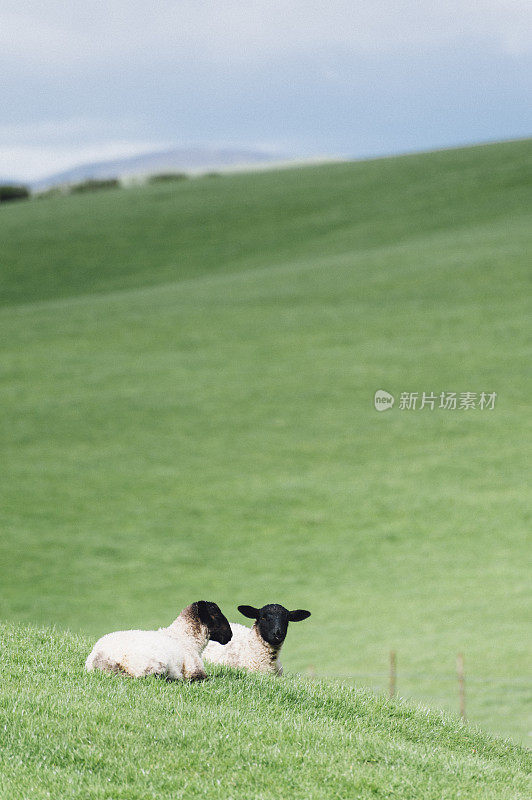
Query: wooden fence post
x=393 y=672
x=461 y=684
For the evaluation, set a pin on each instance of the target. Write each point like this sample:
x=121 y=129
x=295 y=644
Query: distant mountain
x=189 y=159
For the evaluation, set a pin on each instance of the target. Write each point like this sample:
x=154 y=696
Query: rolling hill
x=68 y=734
x=188 y=382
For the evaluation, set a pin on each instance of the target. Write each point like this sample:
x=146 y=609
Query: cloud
x=33 y=162
x=210 y=31
x=32 y=150
x=101 y=79
x=55 y=130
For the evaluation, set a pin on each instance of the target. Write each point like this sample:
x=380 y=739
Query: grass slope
x=71 y=735
x=164 y=233
x=188 y=375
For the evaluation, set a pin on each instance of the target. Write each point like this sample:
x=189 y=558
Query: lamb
x=257 y=648
x=173 y=652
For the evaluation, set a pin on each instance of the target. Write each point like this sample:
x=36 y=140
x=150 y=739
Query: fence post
x=393 y=672
x=461 y=684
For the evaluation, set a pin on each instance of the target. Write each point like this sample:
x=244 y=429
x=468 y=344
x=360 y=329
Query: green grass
x=188 y=374
x=68 y=734
x=63 y=246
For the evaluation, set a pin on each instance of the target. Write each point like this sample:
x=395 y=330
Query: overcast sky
x=92 y=80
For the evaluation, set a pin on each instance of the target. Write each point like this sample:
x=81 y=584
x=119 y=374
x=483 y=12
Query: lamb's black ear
x=297 y=616
x=249 y=611
x=203 y=611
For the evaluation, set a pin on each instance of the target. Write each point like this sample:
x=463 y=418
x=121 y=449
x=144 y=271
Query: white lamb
x=256 y=648
x=174 y=652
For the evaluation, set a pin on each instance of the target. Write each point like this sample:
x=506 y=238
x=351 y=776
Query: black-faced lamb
x=256 y=648
x=173 y=652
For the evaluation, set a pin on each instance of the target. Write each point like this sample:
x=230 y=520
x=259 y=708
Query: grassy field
x=66 y=734
x=188 y=374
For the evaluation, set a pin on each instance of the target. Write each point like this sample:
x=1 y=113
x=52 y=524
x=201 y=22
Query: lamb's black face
x=217 y=625
x=273 y=624
x=272 y=621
